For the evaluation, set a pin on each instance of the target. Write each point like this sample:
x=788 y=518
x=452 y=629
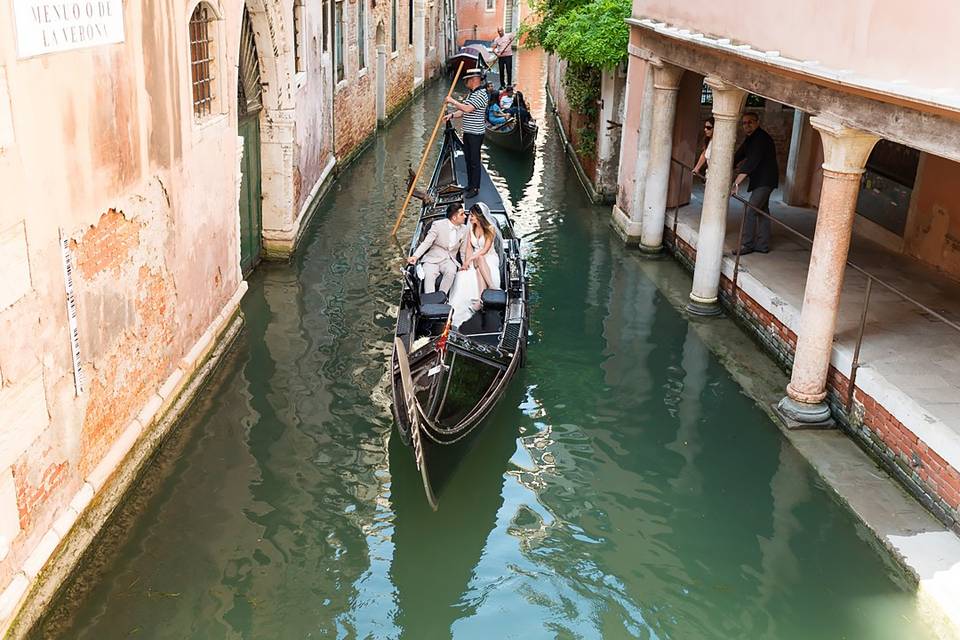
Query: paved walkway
x=908 y=357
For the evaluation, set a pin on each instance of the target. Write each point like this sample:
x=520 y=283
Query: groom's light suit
x=438 y=254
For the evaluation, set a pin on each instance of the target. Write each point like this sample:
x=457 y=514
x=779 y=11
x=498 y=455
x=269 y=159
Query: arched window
x=203 y=61
x=298 y=34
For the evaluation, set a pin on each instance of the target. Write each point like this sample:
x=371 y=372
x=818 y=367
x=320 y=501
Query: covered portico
x=899 y=393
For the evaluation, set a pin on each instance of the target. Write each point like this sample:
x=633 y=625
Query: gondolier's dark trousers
x=471 y=150
x=506 y=70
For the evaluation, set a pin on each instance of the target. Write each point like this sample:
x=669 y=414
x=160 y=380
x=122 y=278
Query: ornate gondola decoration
x=447 y=379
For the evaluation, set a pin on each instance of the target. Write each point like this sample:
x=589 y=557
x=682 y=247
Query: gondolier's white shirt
x=474 y=122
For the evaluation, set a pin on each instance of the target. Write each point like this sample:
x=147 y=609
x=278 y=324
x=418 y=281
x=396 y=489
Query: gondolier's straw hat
x=473 y=73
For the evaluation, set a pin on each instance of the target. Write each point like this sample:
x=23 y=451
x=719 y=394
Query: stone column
x=666 y=82
x=727 y=104
x=845 y=153
x=627 y=223
x=608 y=138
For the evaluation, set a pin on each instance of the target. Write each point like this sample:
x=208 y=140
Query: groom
x=439 y=250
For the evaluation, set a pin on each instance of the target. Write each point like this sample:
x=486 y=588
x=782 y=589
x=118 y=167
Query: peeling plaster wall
x=101 y=143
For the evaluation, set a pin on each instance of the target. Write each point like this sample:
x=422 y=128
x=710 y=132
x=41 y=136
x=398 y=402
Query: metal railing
x=871 y=278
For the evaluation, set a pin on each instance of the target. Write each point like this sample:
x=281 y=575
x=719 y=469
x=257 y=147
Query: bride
x=481 y=266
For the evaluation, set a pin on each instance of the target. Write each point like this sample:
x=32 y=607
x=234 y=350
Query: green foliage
x=581 y=84
x=587 y=139
x=584 y=32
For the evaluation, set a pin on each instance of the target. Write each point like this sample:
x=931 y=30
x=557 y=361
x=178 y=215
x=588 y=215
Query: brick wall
x=355 y=112
x=926 y=475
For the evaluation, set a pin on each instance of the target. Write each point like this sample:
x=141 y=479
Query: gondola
x=512 y=135
x=445 y=380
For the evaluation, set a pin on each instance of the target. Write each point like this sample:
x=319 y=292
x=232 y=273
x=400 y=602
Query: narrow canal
x=624 y=488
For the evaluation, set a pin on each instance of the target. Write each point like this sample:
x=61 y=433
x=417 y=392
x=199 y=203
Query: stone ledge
x=51 y=562
x=281 y=244
x=627 y=229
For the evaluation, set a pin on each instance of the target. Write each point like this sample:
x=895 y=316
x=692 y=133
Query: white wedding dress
x=466 y=287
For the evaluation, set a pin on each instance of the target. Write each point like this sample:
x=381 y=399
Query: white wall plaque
x=47 y=26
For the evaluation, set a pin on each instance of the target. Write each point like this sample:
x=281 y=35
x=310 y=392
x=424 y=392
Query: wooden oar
x=426 y=150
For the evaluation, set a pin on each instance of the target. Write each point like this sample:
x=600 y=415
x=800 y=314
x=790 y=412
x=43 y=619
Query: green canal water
x=625 y=487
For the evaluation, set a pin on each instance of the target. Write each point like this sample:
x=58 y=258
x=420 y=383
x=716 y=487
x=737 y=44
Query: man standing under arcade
x=756 y=159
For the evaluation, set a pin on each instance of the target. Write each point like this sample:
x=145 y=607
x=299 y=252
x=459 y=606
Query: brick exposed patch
x=137 y=365
x=107 y=245
x=924 y=473
x=32 y=494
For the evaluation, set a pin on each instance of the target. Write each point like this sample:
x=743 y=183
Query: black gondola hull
x=515 y=138
x=444 y=380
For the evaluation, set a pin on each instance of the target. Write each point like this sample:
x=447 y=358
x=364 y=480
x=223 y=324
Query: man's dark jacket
x=757 y=157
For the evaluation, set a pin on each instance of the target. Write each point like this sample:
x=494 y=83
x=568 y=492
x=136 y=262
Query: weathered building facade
x=480 y=19
x=389 y=49
x=859 y=296
x=592 y=137
x=150 y=153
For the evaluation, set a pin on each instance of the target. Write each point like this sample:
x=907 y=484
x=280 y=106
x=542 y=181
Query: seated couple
x=474 y=244
x=505 y=105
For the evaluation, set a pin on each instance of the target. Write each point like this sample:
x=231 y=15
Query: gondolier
x=472 y=110
x=503 y=47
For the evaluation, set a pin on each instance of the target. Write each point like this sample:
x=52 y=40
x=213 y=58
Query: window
x=298 y=48
x=325 y=21
x=338 y=38
x=409 y=21
x=203 y=60
x=362 y=33
x=491 y=5
x=393 y=27
x=706 y=95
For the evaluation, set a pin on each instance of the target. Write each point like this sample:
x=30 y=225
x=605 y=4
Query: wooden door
x=251 y=219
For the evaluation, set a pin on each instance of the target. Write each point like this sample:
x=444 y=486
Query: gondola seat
x=437 y=297
x=433 y=311
x=494 y=299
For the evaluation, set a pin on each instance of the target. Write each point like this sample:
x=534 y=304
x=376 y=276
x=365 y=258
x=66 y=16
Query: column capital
x=665 y=75
x=727 y=99
x=845 y=150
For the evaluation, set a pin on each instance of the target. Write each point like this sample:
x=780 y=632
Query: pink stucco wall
x=881 y=39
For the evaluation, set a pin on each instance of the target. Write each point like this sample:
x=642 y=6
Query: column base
x=628 y=230
x=703 y=308
x=802 y=415
x=651 y=252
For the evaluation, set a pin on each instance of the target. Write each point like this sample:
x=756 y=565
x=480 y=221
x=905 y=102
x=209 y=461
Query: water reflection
x=624 y=486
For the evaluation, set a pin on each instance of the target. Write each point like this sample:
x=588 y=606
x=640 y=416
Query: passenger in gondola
x=513 y=104
x=440 y=249
x=495 y=116
x=481 y=265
